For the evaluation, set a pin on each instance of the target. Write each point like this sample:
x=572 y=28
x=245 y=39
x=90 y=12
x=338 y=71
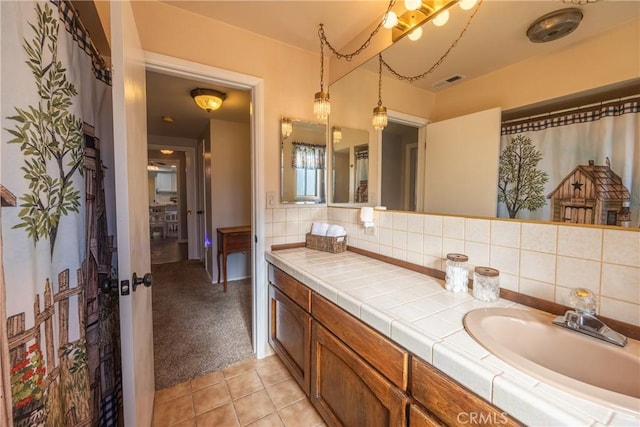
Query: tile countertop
x=415 y=311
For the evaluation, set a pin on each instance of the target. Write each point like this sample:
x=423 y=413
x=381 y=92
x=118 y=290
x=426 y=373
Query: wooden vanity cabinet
x=380 y=352
x=290 y=326
x=418 y=417
x=347 y=391
x=449 y=401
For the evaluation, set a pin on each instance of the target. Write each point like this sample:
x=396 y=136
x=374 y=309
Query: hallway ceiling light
x=167 y=152
x=208 y=99
x=167 y=119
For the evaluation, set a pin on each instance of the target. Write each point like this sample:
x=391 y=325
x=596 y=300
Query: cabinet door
x=347 y=391
x=290 y=335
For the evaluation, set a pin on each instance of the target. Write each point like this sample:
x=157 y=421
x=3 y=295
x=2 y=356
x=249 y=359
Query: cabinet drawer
x=291 y=288
x=380 y=352
x=452 y=403
x=238 y=242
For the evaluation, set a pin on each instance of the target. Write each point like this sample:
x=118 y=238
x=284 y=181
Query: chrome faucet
x=583 y=318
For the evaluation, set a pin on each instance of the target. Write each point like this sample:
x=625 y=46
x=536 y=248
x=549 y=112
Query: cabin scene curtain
x=581 y=166
x=60 y=349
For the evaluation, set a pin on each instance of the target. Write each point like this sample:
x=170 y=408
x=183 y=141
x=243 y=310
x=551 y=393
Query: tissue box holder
x=326 y=244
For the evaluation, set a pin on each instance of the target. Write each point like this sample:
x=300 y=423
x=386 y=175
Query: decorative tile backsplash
x=543 y=260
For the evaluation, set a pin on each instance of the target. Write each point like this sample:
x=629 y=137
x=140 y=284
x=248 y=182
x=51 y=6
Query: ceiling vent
x=554 y=25
x=448 y=81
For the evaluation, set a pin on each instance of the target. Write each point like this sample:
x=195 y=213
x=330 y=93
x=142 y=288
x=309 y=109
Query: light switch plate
x=271 y=199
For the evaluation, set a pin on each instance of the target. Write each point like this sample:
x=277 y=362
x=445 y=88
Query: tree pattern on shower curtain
x=49 y=134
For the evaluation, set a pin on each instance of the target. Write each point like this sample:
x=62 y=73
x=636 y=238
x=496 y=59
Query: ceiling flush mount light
x=286 y=127
x=167 y=152
x=379 y=120
x=167 y=119
x=554 y=25
x=208 y=99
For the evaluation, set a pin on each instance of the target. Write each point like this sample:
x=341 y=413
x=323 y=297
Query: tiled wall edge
x=521 y=250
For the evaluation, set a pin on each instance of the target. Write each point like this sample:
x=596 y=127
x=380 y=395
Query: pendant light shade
x=379 y=120
x=321 y=105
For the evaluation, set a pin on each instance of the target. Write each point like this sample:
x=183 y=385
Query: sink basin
x=577 y=363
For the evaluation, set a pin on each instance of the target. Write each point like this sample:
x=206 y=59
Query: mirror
x=480 y=88
x=303 y=162
x=350 y=165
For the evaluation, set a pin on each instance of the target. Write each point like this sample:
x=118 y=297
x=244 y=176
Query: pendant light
x=321 y=103
x=379 y=120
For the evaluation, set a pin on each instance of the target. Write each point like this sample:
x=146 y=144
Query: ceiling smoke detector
x=554 y=25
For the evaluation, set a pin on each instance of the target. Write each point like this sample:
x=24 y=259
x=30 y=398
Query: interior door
x=132 y=215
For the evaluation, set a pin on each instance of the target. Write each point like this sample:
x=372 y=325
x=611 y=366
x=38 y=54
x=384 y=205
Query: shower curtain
x=59 y=339
x=586 y=163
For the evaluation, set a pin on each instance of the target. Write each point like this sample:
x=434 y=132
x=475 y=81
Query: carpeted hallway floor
x=197 y=328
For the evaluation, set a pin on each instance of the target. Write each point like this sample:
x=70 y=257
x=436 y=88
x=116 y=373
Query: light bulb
x=441 y=19
x=467 y=4
x=412 y=4
x=415 y=34
x=390 y=20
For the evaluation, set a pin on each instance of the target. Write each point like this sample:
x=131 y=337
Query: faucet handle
x=583 y=301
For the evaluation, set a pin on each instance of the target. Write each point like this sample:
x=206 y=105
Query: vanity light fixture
x=286 y=127
x=167 y=152
x=336 y=134
x=208 y=99
x=379 y=120
x=417 y=13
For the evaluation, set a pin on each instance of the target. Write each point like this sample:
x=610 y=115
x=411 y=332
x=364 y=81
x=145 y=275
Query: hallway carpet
x=197 y=328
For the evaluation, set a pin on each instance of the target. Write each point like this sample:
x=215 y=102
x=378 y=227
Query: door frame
x=421 y=124
x=195 y=71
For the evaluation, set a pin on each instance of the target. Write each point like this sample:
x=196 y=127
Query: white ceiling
x=495 y=38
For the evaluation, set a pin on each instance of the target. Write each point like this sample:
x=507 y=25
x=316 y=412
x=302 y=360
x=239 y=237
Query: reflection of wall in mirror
x=341 y=170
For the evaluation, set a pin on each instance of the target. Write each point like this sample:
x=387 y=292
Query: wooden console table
x=230 y=240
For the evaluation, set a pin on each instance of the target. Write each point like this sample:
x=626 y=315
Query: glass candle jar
x=457 y=273
x=486 y=284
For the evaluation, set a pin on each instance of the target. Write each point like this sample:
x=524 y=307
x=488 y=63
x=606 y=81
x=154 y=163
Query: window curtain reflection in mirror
x=309 y=162
x=586 y=164
x=362 y=176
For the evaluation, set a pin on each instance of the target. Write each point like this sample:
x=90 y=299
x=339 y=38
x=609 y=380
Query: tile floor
x=257 y=393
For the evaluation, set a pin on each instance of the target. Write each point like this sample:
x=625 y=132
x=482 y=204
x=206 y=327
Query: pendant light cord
x=349 y=56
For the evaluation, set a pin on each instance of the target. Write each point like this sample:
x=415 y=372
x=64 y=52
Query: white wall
x=231 y=187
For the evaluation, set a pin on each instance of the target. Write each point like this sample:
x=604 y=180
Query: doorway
x=209 y=75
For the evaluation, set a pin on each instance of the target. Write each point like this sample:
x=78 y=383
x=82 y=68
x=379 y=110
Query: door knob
x=146 y=280
x=109 y=284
